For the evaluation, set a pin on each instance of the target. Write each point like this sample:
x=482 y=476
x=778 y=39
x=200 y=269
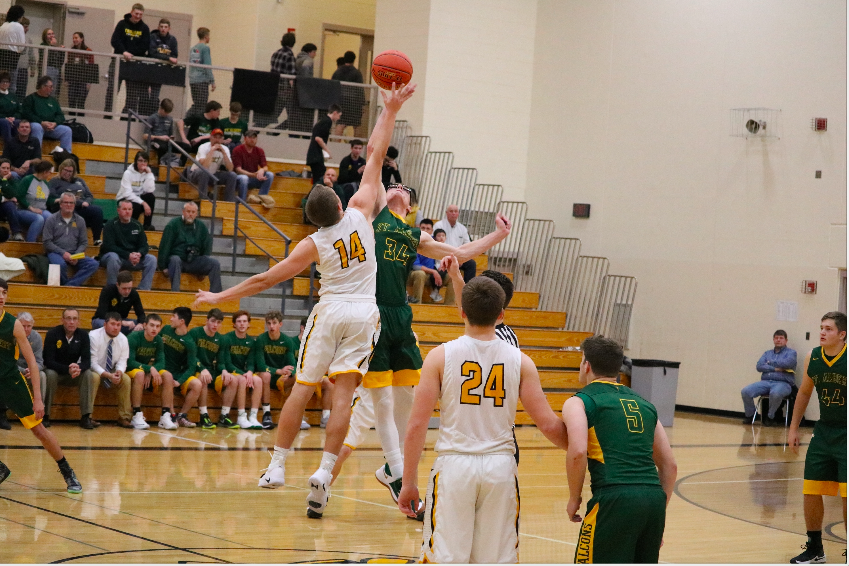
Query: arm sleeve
x=95 y=363
x=762 y=366
x=38 y=350
x=289 y=359
x=250 y=364
x=149 y=183
x=102 y=304
x=126 y=190
x=207 y=241
x=225 y=362
x=192 y=366
x=87 y=196
x=138 y=308
x=144 y=246
x=159 y=361
x=82 y=236
x=86 y=353
x=132 y=362
x=47 y=238
x=236 y=158
x=259 y=356
x=165 y=247
x=123 y=354
x=58 y=116
x=28 y=110
x=117 y=40
x=50 y=340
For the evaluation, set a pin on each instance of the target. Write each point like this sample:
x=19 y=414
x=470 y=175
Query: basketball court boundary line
x=51 y=533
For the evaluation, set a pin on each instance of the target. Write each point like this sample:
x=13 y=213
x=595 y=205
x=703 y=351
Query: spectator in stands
x=131 y=38
x=234 y=127
x=109 y=354
x=146 y=368
x=215 y=162
x=35 y=342
x=424 y=269
x=252 y=169
x=65 y=240
x=201 y=79
x=777 y=367
x=18 y=210
x=12 y=31
x=199 y=128
x=67 y=357
x=138 y=186
x=304 y=62
x=161 y=130
x=181 y=362
x=274 y=362
x=120 y=297
x=185 y=246
x=208 y=341
x=23 y=149
x=456 y=235
x=163 y=46
x=353 y=97
x=77 y=89
x=125 y=247
x=390 y=173
x=236 y=360
x=26 y=65
x=55 y=59
x=68 y=182
x=331 y=180
x=41 y=108
x=10 y=108
x=283 y=62
x=352 y=166
x=318 y=144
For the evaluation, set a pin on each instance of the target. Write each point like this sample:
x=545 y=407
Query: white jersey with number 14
x=346 y=257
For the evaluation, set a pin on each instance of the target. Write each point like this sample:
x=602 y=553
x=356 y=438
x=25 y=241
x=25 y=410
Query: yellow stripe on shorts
x=584 y=552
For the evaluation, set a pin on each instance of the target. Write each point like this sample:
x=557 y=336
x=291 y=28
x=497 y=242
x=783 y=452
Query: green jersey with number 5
x=829 y=377
x=395 y=246
x=620 y=437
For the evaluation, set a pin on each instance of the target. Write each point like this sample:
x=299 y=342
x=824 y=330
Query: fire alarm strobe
x=819 y=124
x=809 y=287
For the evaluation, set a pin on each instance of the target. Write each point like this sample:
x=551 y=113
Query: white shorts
x=472 y=512
x=362 y=417
x=339 y=338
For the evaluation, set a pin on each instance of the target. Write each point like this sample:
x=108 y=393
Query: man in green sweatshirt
x=208 y=341
x=125 y=247
x=181 y=361
x=236 y=359
x=274 y=361
x=147 y=358
x=185 y=246
x=41 y=108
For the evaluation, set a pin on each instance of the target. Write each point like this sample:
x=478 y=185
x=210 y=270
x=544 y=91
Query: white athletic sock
x=385 y=422
x=225 y=411
x=325 y=413
x=395 y=459
x=266 y=408
x=328 y=460
x=203 y=410
x=241 y=412
x=281 y=453
x=254 y=412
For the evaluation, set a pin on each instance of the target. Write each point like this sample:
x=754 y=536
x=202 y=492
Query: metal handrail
x=237 y=229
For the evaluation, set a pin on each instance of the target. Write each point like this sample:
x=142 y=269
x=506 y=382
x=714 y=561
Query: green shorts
x=825 y=463
x=623 y=524
x=16 y=394
x=396 y=359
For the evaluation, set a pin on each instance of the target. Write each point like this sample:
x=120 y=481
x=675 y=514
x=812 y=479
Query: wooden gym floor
x=191 y=496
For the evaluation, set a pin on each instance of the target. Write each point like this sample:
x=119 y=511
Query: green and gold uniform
x=626 y=515
x=144 y=354
x=396 y=359
x=271 y=355
x=825 y=462
x=233 y=131
x=237 y=354
x=14 y=389
x=208 y=348
x=181 y=358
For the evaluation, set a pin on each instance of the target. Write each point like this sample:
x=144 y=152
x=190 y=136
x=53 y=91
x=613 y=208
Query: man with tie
x=109 y=354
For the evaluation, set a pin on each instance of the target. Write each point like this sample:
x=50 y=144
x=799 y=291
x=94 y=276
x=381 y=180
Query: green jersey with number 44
x=829 y=377
x=395 y=245
x=620 y=437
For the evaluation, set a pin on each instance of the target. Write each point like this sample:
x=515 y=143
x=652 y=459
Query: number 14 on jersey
x=357 y=251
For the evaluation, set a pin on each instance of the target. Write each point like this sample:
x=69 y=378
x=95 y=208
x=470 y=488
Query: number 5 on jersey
x=357 y=251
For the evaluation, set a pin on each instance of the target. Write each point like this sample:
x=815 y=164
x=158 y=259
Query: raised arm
x=370 y=198
x=436 y=250
x=301 y=257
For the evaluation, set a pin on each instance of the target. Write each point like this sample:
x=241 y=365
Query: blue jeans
x=60 y=132
x=777 y=391
x=18 y=219
x=244 y=183
x=8 y=130
x=113 y=264
x=85 y=269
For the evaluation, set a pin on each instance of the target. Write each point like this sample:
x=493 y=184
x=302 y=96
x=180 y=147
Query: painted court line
x=741 y=481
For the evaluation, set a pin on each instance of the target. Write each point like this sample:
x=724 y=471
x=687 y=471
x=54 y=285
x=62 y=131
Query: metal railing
x=581 y=306
x=477 y=213
x=89 y=83
x=530 y=261
x=399 y=135
x=437 y=164
x=237 y=229
x=503 y=255
x=560 y=258
x=615 y=304
x=411 y=160
x=459 y=182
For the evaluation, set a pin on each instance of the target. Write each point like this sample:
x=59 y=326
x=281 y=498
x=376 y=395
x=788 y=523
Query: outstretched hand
x=204 y=297
x=395 y=98
x=451 y=264
x=502 y=224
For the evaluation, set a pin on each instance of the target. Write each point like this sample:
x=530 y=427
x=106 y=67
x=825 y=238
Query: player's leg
x=167 y=391
x=820 y=478
x=450 y=513
x=653 y=512
x=267 y=422
x=288 y=426
x=609 y=530
x=402 y=405
x=326 y=400
x=496 y=534
x=228 y=394
x=255 y=384
x=362 y=419
x=203 y=402
x=137 y=377
x=191 y=390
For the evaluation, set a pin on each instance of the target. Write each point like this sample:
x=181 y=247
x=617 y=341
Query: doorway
x=336 y=40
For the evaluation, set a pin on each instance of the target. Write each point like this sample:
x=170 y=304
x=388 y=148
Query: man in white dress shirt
x=109 y=354
x=456 y=235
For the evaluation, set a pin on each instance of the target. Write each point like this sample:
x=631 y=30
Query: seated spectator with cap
x=456 y=235
x=186 y=246
x=125 y=247
x=41 y=108
x=214 y=163
x=252 y=170
x=67 y=181
x=777 y=367
x=120 y=297
x=109 y=354
x=65 y=240
x=137 y=187
x=23 y=150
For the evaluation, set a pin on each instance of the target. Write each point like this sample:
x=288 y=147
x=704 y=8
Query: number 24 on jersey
x=354 y=250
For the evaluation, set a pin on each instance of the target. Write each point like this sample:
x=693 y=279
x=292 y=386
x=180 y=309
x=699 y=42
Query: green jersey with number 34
x=620 y=437
x=395 y=246
x=829 y=377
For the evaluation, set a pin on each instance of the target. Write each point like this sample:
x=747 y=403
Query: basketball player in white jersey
x=472 y=512
x=344 y=325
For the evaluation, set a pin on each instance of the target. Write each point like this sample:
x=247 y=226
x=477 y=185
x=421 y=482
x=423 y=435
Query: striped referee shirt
x=506 y=333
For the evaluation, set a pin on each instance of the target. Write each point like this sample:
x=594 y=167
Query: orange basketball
x=391 y=67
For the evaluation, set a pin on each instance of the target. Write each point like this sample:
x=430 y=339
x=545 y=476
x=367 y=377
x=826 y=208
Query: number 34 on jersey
x=353 y=251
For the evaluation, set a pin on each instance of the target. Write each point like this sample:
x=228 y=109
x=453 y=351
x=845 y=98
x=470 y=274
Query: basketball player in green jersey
x=16 y=394
x=396 y=361
x=825 y=462
x=632 y=469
